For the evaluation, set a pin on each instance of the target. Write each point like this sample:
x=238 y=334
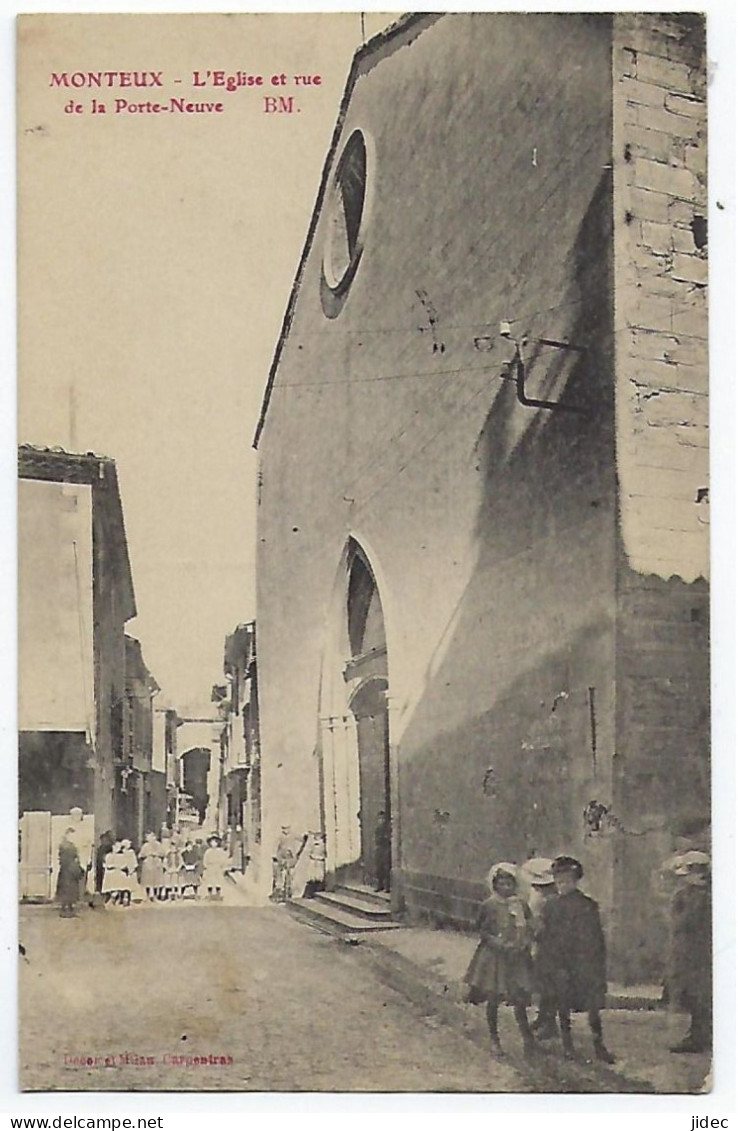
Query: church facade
x=482 y=526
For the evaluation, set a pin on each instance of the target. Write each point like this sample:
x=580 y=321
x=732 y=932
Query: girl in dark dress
x=500 y=970
x=571 y=948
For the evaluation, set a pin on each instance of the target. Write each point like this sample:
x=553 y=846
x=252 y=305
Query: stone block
x=695 y=159
x=690 y=268
x=677 y=152
x=696 y=378
x=646 y=311
x=647 y=205
x=663 y=284
x=692 y=321
x=675 y=350
x=651 y=344
x=686 y=106
x=647 y=374
x=694 y=437
x=647 y=262
x=666 y=514
x=667 y=179
x=659 y=118
x=662 y=72
x=675 y=408
x=666 y=484
x=691 y=549
x=656 y=236
x=659 y=447
x=688 y=351
x=624 y=62
x=657 y=40
x=649 y=143
x=641 y=93
x=683 y=378
x=683 y=240
x=680 y=212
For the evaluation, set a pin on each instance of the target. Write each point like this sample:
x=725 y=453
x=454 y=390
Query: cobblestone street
x=286 y=1008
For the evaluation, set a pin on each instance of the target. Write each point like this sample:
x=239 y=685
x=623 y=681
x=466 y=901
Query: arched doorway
x=195 y=769
x=356 y=770
x=369 y=708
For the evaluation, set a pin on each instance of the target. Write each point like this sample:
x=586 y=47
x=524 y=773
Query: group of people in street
x=166 y=868
x=541 y=936
x=298 y=865
x=178 y=865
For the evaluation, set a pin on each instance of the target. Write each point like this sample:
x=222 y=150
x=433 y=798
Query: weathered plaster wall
x=490 y=525
x=55 y=668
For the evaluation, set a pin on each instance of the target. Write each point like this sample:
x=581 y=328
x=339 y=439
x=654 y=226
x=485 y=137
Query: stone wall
x=661 y=765
x=660 y=227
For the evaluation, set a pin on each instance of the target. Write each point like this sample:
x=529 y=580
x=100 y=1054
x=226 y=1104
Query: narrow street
x=277 y=1005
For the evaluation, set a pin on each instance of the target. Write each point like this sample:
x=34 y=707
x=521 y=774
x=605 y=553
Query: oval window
x=347 y=209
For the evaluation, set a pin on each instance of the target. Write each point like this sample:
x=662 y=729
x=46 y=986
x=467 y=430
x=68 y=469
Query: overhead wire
x=441 y=326
x=378 y=455
x=363 y=502
x=319 y=531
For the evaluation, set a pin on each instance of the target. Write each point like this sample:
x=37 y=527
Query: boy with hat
x=538 y=875
x=572 y=948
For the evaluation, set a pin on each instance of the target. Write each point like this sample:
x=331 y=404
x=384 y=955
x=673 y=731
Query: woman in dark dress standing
x=690 y=974
x=104 y=847
x=70 y=875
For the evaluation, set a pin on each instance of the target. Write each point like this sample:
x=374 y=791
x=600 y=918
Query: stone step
x=333 y=920
x=363 y=891
x=356 y=905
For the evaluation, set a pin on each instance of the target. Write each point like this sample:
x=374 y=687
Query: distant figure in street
x=199 y=848
x=215 y=863
x=500 y=969
x=309 y=872
x=82 y=836
x=237 y=849
x=316 y=854
x=690 y=974
x=104 y=847
x=113 y=880
x=190 y=875
x=172 y=867
x=284 y=861
x=382 y=851
x=71 y=873
x=571 y=951
x=152 y=868
x=538 y=875
x=129 y=868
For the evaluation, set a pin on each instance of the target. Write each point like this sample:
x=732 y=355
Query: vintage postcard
x=363 y=528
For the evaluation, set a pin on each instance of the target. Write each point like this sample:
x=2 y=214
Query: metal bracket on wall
x=518 y=365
